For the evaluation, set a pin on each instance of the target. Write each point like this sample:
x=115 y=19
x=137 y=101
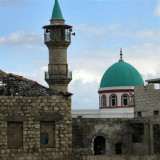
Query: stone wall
x=125 y=157
x=117 y=133
x=147 y=100
x=33 y=113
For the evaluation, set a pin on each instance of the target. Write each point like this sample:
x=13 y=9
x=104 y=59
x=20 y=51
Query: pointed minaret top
x=121 y=54
x=56 y=14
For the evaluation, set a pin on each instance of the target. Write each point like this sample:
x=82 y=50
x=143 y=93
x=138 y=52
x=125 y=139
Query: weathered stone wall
x=147 y=100
x=125 y=157
x=115 y=131
x=31 y=111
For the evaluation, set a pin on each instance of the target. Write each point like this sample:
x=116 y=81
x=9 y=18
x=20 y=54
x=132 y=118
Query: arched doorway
x=99 y=145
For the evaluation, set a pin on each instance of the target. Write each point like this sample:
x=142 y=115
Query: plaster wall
x=105 y=113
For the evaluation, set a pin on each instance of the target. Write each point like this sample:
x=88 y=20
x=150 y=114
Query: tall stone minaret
x=57 y=37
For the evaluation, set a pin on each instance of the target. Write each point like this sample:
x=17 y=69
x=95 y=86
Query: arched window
x=113 y=100
x=125 y=100
x=103 y=101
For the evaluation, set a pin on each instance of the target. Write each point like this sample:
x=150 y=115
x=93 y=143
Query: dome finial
x=121 y=54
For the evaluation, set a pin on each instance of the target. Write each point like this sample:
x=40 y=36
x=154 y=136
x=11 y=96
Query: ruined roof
x=15 y=85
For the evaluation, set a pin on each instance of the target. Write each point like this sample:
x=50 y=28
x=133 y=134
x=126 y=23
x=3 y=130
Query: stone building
x=36 y=122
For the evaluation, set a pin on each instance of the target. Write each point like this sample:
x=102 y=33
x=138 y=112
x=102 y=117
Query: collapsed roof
x=15 y=85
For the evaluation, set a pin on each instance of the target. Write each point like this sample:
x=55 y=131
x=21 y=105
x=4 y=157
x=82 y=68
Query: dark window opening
x=156 y=112
x=44 y=138
x=125 y=100
x=15 y=135
x=118 y=148
x=139 y=114
x=103 y=101
x=99 y=145
x=113 y=101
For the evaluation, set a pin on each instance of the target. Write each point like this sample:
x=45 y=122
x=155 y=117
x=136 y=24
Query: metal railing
x=67 y=36
x=69 y=75
x=47 y=37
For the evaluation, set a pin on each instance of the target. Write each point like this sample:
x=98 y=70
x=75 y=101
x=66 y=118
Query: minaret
x=57 y=37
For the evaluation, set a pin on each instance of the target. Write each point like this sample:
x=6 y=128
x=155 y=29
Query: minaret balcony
x=58 y=75
x=67 y=37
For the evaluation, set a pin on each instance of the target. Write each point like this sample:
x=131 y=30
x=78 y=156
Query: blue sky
x=102 y=27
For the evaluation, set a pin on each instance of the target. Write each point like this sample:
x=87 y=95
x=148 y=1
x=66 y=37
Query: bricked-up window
x=15 y=135
x=47 y=134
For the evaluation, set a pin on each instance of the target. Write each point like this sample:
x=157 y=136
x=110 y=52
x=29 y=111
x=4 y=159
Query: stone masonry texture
x=31 y=111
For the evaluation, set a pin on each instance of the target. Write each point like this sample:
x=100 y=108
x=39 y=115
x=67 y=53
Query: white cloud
x=12 y=3
x=97 y=30
x=148 y=34
x=91 y=67
x=86 y=76
x=19 y=38
x=157 y=9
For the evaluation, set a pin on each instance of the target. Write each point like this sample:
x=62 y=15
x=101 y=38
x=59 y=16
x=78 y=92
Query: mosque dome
x=121 y=74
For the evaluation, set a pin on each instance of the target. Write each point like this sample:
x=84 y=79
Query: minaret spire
x=57 y=13
x=121 y=56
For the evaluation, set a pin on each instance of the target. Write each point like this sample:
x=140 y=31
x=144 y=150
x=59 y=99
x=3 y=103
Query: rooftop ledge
x=157 y=80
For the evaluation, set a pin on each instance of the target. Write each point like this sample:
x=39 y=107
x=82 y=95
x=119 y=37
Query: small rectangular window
x=139 y=114
x=125 y=102
x=47 y=134
x=113 y=102
x=156 y=112
x=44 y=138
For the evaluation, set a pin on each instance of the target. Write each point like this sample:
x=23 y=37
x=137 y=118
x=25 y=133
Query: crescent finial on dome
x=121 y=54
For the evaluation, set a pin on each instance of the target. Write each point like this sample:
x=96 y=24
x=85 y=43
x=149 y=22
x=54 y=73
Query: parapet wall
x=35 y=128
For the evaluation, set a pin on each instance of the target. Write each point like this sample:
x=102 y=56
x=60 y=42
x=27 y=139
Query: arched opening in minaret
x=99 y=145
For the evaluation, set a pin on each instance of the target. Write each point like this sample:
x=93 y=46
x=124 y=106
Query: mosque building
x=116 y=92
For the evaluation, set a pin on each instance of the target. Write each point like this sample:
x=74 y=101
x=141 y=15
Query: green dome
x=121 y=74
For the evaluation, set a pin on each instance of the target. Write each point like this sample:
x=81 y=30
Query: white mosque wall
x=104 y=113
x=118 y=91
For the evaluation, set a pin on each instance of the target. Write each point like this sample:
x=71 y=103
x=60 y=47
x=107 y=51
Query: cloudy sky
x=102 y=27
